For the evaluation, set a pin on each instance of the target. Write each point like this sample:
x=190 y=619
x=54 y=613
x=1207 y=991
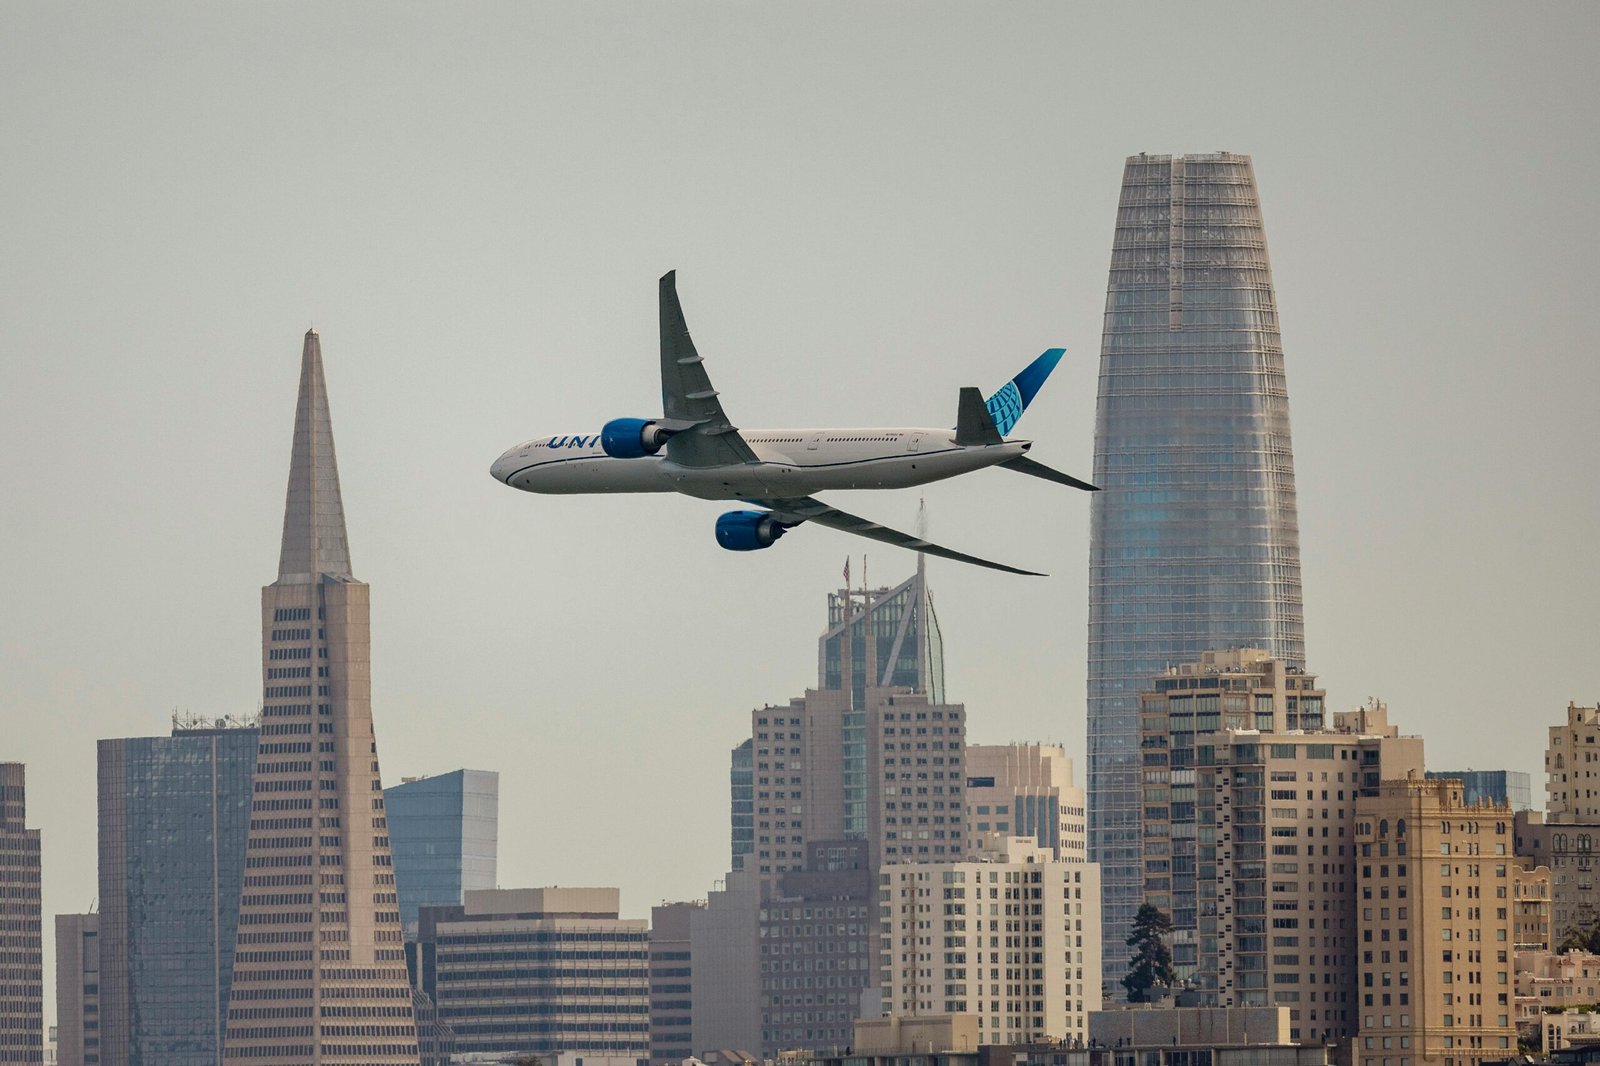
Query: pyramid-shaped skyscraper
x=319 y=973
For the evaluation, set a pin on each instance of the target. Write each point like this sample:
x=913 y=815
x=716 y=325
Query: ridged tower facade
x=1195 y=544
x=319 y=973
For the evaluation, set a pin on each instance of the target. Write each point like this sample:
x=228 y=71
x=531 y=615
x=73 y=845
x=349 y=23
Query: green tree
x=1152 y=959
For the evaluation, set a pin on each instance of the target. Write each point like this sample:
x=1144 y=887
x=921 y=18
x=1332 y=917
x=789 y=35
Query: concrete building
x=174 y=815
x=1244 y=689
x=817 y=933
x=1511 y=787
x=1564 y=836
x=1194 y=540
x=1025 y=790
x=319 y=968
x=21 y=926
x=725 y=983
x=77 y=1025
x=1530 y=909
x=543 y=971
x=671 y=982
x=1572 y=767
x=444 y=835
x=1435 y=924
x=1014 y=942
x=1277 y=883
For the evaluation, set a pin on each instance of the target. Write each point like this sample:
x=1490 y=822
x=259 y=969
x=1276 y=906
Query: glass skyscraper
x=444 y=835
x=1194 y=539
x=174 y=815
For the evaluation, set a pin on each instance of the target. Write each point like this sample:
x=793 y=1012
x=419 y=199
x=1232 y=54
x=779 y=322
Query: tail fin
x=1006 y=405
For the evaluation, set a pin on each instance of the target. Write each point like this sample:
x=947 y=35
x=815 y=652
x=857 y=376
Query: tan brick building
x=1435 y=876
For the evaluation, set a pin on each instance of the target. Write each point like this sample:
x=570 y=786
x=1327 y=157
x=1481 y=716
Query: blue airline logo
x=573 y=441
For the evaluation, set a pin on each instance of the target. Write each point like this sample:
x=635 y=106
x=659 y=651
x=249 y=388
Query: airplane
x=693 y=448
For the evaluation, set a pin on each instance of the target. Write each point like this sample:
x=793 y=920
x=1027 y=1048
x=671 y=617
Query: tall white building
x=1014 y=941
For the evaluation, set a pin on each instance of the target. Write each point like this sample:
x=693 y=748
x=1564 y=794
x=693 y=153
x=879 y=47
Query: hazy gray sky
x=869 y=206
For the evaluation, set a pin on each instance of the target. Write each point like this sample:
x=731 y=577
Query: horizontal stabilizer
x=1023 y=465
x=974 y=425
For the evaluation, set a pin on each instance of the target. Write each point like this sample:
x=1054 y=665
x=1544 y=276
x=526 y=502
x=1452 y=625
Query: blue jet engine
x=632 y=438
x=748 y=531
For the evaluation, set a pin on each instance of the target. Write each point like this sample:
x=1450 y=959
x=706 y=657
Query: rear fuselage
x=792 y=463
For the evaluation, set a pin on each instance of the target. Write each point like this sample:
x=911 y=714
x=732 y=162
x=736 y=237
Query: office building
x=1493 y=786
x=77 y=989
x=1277 y=885
x=880 y=762
x=1025 y=790
x=174 y=815
x=1194 y=542
x=1014 y=941
x=21 y=927
x=1435 y=925
x=671 y=977
x=443 y=833
x=818 y=934
x=553 y=972
x=725 y=982
x=319 y=971
x=1243 y=689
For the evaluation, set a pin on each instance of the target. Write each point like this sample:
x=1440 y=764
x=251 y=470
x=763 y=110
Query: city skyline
x=487 y=266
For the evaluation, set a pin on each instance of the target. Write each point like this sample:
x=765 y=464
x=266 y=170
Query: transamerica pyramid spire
x=319 y=966
x=313 y=514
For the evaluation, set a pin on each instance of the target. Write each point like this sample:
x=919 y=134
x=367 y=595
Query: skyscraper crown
x=314 y=543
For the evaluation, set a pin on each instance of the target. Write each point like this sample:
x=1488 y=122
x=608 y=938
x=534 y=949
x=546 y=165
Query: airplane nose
x=500 y=469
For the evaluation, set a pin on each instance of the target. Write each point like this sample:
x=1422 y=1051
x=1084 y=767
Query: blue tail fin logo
x=1006 y=405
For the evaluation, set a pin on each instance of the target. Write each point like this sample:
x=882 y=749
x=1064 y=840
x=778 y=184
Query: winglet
x=1008 y=403
x=974 y=425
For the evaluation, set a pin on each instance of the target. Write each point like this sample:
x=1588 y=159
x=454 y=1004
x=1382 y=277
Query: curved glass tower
x=1194 y=542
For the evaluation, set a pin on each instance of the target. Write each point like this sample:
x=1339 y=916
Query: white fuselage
x=793 y=462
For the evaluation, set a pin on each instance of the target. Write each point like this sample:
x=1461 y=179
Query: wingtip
x=669 y=279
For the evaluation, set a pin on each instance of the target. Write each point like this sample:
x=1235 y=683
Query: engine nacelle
x=748 y=531
x=632 y=438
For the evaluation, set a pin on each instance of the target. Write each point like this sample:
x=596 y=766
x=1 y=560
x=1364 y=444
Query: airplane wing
x=798 y=509
x=687 y=398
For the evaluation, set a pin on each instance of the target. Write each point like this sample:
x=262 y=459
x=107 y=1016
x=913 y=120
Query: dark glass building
x=1194 y=538
x=1510 y=787
x=443 y=833
x=741 y=796
x=174 y=815
x=21 y=927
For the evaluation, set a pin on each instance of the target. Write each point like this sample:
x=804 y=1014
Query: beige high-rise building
x=1242 y=688
x=1277 y=866
x=319 y=973
x=1014 y=940
x=1025 y=790
x=1435 y=926
x=1566 y=838
x=77 y=989
x=1572 y=767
